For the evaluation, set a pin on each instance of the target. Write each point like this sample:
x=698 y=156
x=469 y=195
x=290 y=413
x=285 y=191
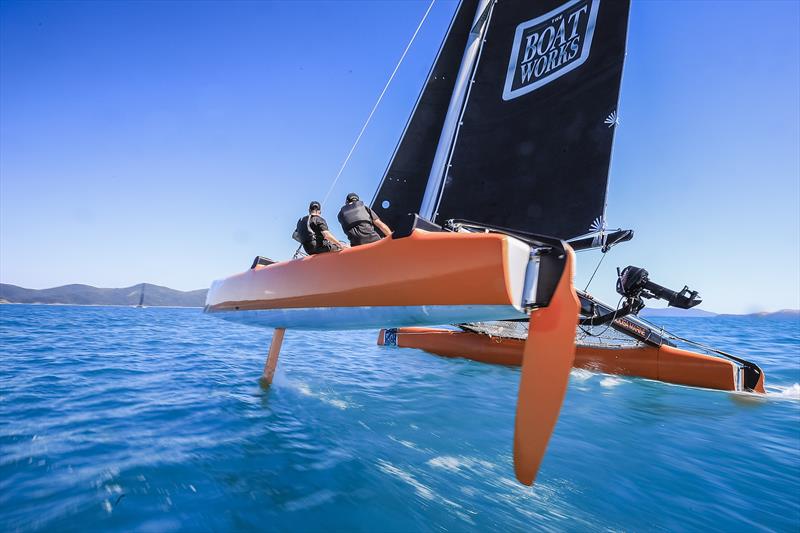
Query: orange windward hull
x=665 y=363
x=425 y=278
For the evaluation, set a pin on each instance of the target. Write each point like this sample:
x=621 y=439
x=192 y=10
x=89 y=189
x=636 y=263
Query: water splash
x=786 y=393
x=610 y=382
x=324 y=397
x=458 y=464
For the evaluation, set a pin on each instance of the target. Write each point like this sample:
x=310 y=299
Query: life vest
x=354 y=214
x=303 y=233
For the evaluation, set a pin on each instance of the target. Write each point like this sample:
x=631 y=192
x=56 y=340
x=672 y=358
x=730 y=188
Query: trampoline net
x=600 y=336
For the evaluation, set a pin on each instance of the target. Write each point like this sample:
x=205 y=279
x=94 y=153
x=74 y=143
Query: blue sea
x=124 y=419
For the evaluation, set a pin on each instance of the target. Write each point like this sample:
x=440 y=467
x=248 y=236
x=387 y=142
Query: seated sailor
x=359 y=222
x=313 y=233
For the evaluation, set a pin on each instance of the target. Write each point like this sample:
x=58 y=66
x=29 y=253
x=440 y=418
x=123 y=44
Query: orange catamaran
x=500 y=174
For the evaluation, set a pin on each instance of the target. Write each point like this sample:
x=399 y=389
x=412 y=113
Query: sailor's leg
x=272 y=357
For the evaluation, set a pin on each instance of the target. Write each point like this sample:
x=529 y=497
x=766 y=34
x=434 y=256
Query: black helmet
x=314 y=206
x=352 y=197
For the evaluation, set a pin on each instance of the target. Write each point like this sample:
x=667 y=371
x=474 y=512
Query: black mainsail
x=533 y=146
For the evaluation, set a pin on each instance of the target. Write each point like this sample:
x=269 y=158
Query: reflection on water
x=153 y=419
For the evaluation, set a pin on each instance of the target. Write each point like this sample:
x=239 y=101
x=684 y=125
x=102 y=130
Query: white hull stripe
x=341 y=318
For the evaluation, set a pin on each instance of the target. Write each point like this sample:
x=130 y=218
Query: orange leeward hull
x=664 y=363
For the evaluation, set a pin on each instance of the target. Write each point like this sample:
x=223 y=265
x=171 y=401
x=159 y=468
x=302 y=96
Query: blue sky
x=172 y=142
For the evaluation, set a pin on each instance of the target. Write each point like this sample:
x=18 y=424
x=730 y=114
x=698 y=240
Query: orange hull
x=426 y=268
x=666 y=363
x=425 y=278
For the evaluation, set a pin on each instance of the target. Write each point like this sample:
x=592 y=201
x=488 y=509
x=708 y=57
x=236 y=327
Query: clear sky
x=172 y=142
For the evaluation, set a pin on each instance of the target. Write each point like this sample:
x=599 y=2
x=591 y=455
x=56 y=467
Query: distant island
x=154 y=296
x=667 y=312
x=158 y=296
x=652 y=312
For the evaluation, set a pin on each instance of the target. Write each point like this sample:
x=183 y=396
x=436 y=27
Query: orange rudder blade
x=547 y=360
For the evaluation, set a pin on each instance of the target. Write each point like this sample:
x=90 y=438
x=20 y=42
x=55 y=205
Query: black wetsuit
x=310 y=228
x=357 y=221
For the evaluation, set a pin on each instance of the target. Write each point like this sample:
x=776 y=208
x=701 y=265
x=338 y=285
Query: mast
x=438 y=168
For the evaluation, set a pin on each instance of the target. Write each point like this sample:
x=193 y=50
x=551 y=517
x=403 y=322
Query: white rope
x=364 y=127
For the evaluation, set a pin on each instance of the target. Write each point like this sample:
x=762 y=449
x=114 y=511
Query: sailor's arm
x=332 y=238
x=382 y=226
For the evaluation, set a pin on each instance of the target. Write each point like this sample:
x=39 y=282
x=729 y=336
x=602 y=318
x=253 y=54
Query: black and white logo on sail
x=549 y=46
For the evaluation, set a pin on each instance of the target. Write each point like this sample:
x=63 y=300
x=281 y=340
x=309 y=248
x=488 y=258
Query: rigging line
x=385 y=87
x=673 y=336
x=613 y=318
x=668 y=334
x=595 y=271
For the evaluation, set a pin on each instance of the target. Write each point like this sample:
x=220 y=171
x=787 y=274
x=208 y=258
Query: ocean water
x=153 y=419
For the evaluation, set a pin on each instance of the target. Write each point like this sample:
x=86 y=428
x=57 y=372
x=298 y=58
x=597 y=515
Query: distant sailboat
x=141 y=297
x=500 y=174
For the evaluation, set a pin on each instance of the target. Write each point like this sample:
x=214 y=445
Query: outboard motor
x=634 y=284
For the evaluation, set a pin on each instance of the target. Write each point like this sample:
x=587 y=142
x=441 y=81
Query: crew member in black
x=359 y=222
x=314 y=234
